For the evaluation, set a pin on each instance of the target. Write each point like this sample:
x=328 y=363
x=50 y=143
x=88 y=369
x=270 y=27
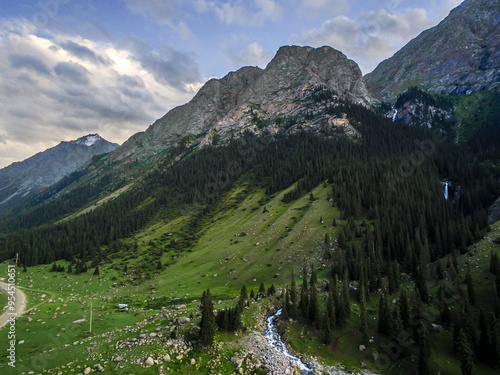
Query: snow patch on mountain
x=89 y=140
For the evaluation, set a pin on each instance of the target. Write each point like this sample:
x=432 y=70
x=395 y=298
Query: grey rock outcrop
x=229 y=106
x=459 y=56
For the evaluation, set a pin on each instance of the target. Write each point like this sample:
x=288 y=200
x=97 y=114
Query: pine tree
x=423 y=352
x=330 y=308
x=243 y=298
x=294 y=308
x=262 y=289
x=465 y=353
x=404 y=309
x=207 y=324
x=313 y=305
x=346 y=305
x=471 y=294
x=383 y=316
x=363 y=317
x=484 y=351
x=328 y=335
x=304 y=295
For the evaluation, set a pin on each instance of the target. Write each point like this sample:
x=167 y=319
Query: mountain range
x=19 y=181
x=375 y=192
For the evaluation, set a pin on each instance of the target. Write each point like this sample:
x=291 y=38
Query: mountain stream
x=277 y=343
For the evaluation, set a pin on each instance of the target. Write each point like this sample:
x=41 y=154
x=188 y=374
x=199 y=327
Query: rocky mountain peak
x=459 y=56
x=248 y=100
x=88 y=140
x=20 y=180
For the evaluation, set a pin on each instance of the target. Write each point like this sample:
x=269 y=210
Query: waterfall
x=394 y=114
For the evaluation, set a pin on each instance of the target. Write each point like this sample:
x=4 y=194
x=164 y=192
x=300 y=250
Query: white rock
x=149 y=362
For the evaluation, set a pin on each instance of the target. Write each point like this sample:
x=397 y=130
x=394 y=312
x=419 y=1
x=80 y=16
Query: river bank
x=268 y=348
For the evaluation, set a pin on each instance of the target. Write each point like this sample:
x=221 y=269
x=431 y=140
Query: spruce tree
x=304 y=295
x=383 y=316
x=262 y=289
x=328 y=335
x=330 y=308
x=363 y=316
x=485 y=345
x=404 y=309
x=423 y=352
x=465 y=353
x=471 y=294
x=207 y=324
x=346 y=301
x=313 y=305
x=294 y=308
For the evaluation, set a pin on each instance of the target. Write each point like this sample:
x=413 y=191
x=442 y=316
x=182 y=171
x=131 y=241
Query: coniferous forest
x=389 y=185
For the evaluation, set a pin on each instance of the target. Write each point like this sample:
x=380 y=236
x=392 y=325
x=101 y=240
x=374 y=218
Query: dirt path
x=20 y=305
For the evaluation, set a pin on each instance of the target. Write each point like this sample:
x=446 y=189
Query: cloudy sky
x=73 y=67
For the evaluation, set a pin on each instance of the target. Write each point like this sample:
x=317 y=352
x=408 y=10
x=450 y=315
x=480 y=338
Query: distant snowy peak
x=88 y=140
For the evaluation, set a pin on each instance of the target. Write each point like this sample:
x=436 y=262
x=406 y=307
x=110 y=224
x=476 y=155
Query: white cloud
x=169 y=13
x=60 y=87
x=369 y=38
x=240 y=51
x=320 y=8
x=243 y=13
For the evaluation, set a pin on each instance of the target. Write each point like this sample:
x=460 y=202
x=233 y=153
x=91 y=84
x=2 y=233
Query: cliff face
x=459 y=56
x=248 y=100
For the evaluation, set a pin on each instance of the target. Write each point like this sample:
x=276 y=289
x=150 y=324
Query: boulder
x=362 y=348
x=436 y=328
x=87 y=371
x=182 y=320
x=236 y=361
x=98 y=368
x=166 y=358
x=149 y=362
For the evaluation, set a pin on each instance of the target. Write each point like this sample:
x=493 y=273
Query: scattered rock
x=362 y=348
x=98 y=368
x=117 y=358
x=166 y=358
x=236 y=361
x=87 y=371
x=149 y=362
x=436 y=328
x=192 y=361
x=182 y=320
